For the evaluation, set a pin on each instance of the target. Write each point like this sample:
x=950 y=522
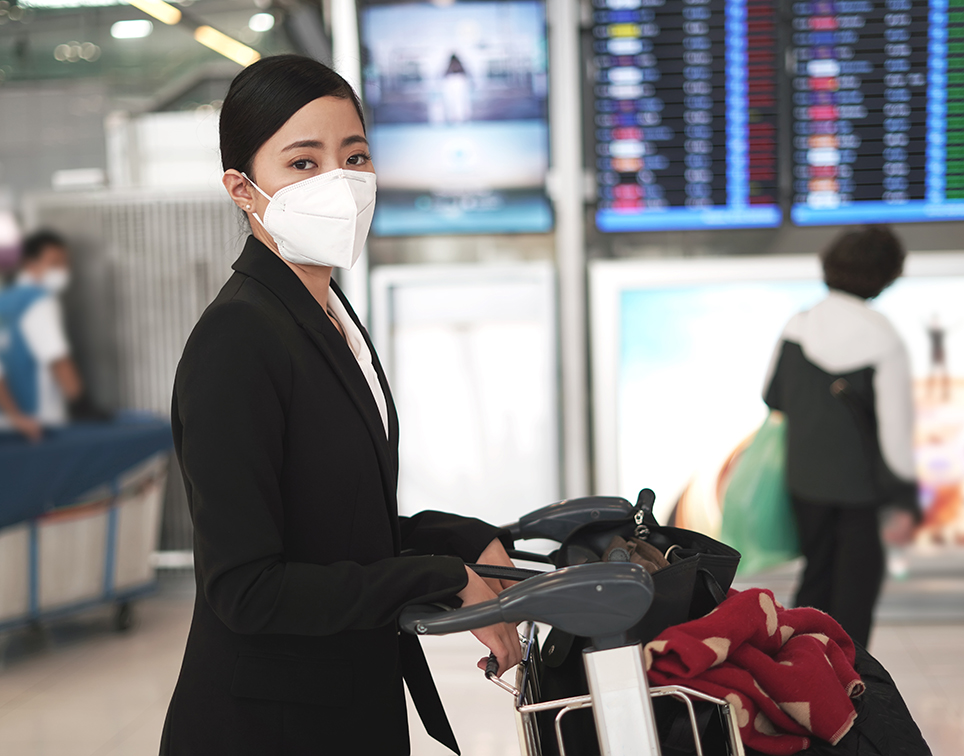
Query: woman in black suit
x=287 y=438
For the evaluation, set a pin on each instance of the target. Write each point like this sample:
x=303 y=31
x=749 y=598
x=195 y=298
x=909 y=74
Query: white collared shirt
x=363 y=355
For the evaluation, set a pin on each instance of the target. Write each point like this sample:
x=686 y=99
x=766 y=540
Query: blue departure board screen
x=685 y=114
x=878 y=113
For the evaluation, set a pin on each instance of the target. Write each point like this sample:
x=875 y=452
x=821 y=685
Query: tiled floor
x=81 y=689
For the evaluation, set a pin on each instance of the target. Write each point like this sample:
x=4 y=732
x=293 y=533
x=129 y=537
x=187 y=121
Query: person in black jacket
x=841 y=376
x=287 y=438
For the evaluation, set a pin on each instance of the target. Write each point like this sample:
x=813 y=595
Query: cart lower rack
x=529 y=703
x=80 y=518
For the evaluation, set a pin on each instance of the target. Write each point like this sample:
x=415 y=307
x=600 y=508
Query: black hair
x=455 y=66
x=36 y=243
x=265 y=95
x=863 y=262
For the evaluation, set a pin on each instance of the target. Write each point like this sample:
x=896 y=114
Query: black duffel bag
x=695 y=581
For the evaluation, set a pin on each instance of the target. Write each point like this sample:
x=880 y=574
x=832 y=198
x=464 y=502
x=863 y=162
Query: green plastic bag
x=758 y=518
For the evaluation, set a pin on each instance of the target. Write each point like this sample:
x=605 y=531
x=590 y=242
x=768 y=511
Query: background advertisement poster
x=684 y=363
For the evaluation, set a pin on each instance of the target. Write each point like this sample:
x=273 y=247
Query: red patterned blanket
x=787 y=673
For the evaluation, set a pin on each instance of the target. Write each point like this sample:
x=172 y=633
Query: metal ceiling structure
x=42 y=40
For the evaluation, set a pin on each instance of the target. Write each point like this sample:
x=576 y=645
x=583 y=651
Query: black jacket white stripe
x=841 y=375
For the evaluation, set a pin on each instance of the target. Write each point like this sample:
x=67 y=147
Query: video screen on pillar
x=457 y=95
x=878 y=111
x=685 y=114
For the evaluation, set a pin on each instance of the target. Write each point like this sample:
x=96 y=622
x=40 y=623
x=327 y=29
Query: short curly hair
x=863 y=262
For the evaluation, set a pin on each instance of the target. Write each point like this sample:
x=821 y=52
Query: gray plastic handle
x=601 y=600
x=558 y=520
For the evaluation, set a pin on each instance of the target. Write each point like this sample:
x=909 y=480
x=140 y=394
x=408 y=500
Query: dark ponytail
x=265 y=95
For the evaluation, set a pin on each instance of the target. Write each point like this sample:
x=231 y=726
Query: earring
x=247 y=207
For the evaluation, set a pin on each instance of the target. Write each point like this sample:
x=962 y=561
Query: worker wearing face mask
x=39 y=383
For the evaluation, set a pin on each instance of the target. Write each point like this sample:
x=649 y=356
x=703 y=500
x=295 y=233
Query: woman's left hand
x=899 y=528
x=495 y=554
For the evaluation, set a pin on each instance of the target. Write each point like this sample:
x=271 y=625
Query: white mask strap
x=256 y=187
x=250 y=181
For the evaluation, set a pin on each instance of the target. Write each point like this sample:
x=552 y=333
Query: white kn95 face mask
x=55 y=280
x=323 y=220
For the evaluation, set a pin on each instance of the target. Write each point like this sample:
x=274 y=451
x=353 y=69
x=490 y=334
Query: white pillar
x=346 y=58
x=566 y=187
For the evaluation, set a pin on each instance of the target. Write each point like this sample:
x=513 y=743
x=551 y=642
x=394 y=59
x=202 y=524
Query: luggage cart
x=602 y=601
x=80 y=517
x=557 y=522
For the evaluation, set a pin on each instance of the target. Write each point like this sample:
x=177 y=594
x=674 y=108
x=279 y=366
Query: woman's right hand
x=501 y=639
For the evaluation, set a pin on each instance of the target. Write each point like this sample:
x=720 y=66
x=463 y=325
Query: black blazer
x=294 y=647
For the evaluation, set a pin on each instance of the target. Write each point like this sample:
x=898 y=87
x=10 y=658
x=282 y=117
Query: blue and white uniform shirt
x=32 y=339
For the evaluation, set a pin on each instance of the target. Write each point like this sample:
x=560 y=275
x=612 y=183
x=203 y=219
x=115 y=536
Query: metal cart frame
x=96 y=552
x=626 y=728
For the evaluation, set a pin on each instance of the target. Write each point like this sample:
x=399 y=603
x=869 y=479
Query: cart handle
x=556 y=521
x=499 y=572
x=601 y=601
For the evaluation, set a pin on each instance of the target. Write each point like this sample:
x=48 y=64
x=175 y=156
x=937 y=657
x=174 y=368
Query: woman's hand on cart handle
x=501 y=639
x=496 y=554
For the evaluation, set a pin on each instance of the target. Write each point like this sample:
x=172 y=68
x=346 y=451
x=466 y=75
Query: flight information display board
x=685 y=114
x=878 y=113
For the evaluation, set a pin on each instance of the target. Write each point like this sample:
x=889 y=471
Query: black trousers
x=845 y=563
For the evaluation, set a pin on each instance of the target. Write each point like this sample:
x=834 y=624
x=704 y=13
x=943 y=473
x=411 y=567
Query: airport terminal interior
x=596 y=226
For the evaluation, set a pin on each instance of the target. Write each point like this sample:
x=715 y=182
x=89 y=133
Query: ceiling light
x=135 y=28
x=261 y=22
x=159 y=9
x=71 y=52
x=89 y=52
x=227 y=46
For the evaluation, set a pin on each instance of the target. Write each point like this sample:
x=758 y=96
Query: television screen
x=459 y=133
x=686 y=114
x=679 y=381
x=878 y=111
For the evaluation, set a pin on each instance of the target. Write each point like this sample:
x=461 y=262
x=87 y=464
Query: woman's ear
x=239 y=189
